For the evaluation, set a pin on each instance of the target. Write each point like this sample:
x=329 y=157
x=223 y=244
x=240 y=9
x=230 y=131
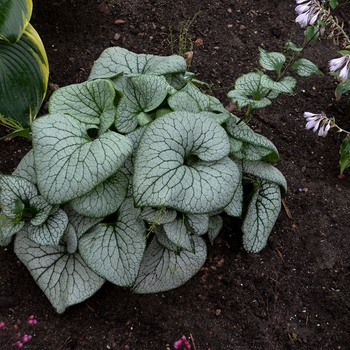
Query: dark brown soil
x=293 y=295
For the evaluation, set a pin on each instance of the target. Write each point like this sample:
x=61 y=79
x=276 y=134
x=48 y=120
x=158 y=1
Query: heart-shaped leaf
x=305 y=67
x=91 y=102
x=104 y=199
x=68 y=163
x=271 y=60
x=63 y=277
x=182 y=163
x=114 y=251
x=177 y=232
x=163 y=269
x=116 y=61
x=142 y=94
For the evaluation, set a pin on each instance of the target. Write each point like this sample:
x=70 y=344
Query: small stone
x=119 y=21
x=242 y=27
x=217 y=312
x=117 y=36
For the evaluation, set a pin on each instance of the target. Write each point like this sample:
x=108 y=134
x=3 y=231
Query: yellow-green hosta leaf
x=23 y=77
x=14 y=18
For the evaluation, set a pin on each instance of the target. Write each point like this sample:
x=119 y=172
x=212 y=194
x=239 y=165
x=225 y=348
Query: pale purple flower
x=318 y=122
x=308 y=11
x=342 y=64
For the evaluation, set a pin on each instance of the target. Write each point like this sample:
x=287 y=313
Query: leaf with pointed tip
x=197 y=224
x=91 y=102
x=68 y=163
x=162 y=269
x=158 y=216
x=178 y=234
x=8 y=228
x=114 y=251
x=271 y=60
x=116 y=61
x=215 y=224
x=142 y=94
x=104 y=199
x=263 y=210
x=51 y=231
x=255 y=147
x=64 y=278
x=40 y=210
x=181 y=163
x=191 y=99
x=305 y=68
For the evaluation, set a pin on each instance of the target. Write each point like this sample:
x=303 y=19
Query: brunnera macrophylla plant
x=317 y=17
x=128 y=172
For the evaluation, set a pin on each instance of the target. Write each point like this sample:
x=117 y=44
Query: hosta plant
x=128 y=177
x=24 y=67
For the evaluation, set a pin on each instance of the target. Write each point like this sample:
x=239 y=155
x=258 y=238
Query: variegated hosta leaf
x=255 y=147
x=91 y=102
x=25 y=168
x=265 y=171
x=182 y=163
x=116 y=61
x=142 y=94
x=8 y=228
x=63 y=277
x=104 y=199
x=51 y=231
x=114 y=251
x=261 y=216
x=15 y=192
x=215 y=224
x=68 y=163
x=163 y=269
x=177 y=232
x=24 y=73
x=191 y=99
x=158 y=216
x=197 y=224
x=14 y=18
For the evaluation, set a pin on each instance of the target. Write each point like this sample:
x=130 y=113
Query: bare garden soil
x=295 y=294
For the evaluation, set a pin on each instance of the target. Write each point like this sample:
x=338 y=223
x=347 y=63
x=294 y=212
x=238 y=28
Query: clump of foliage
x=128 y=171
